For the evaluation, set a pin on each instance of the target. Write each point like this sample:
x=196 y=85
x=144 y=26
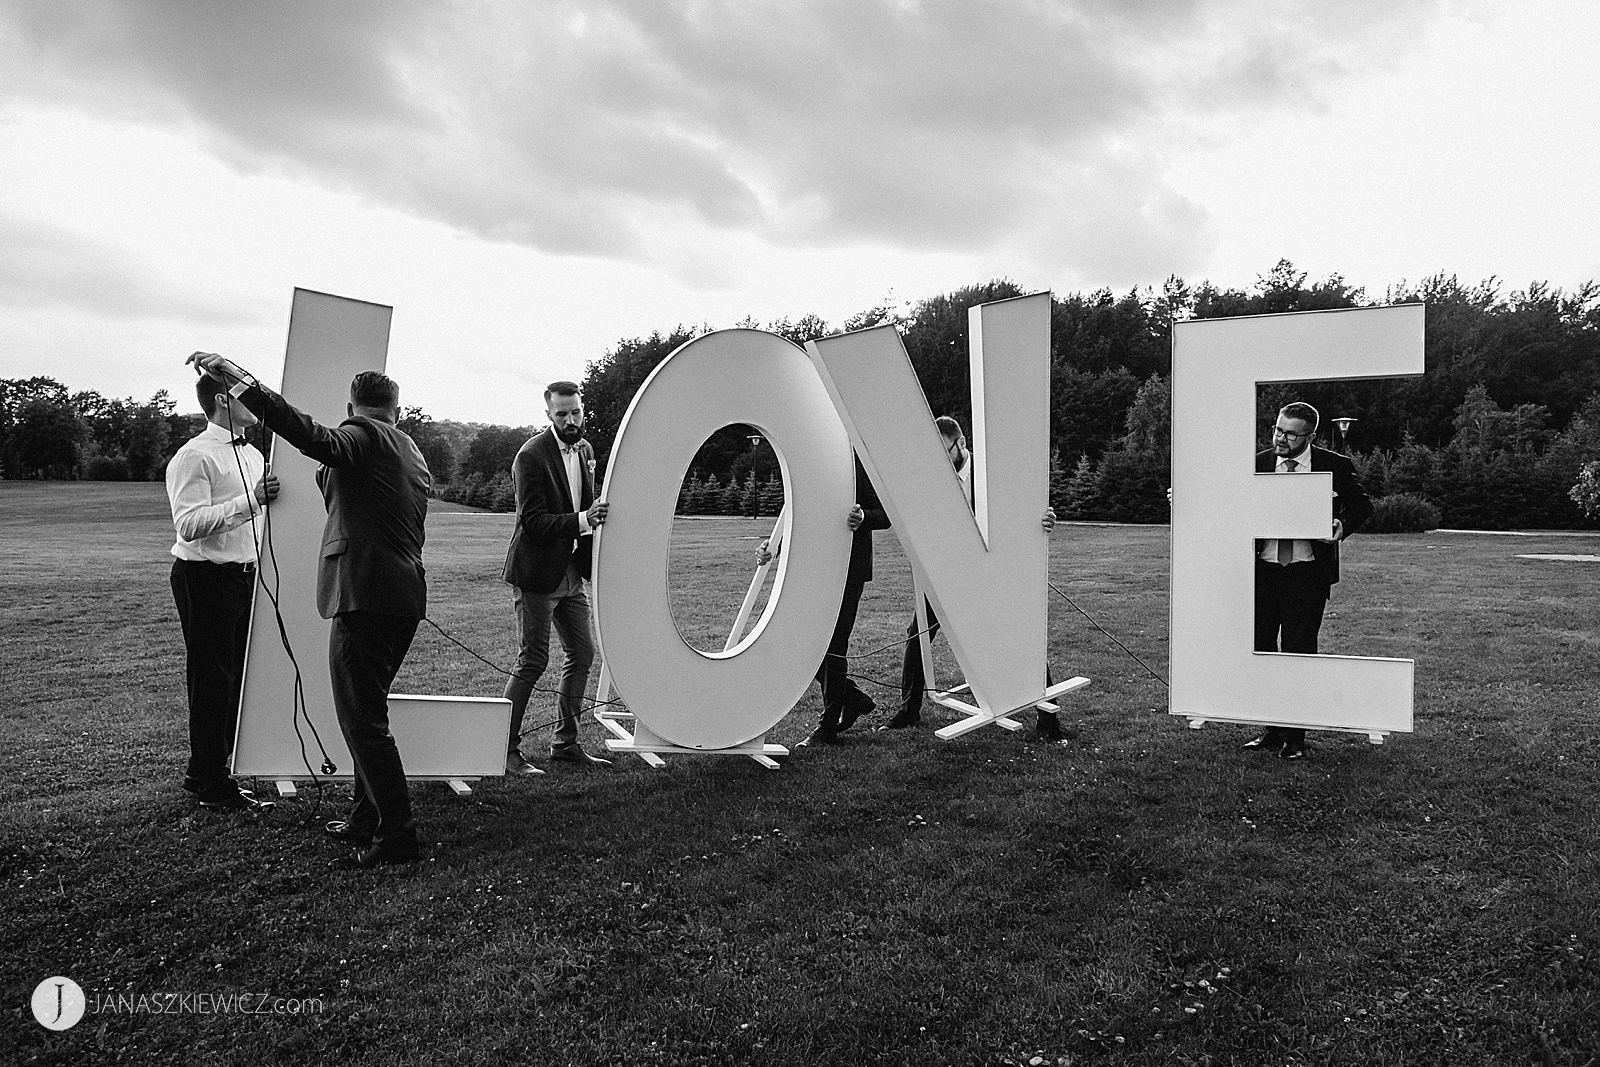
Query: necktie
x=1285 y=545
x=574 y=476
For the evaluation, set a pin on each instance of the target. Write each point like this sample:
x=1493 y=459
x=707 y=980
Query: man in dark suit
x=1293 y=577
x=843 y=702
x=547 y=564
x=370 y=584
x=913 y=683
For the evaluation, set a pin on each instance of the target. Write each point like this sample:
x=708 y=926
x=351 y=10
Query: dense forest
x=1494 y=435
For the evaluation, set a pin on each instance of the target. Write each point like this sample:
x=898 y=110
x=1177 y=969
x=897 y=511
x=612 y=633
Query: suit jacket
x=375 y=485
x=546 y=539
x=1350 y=504
x=860 y=571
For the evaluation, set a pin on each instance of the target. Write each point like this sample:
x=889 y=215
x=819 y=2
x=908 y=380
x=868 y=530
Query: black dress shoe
x=341 y=831
x=226 y=796
x=1293 y=749
x=1269 y=740
x=191 y=784
x=402 y=849
x=862 y=705
x=902 y=721
x=1049 y=727
x=821 y=736
x=574 y=753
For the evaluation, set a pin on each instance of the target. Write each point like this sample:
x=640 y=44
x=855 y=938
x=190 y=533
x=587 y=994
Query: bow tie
x=240 y=440
x=569 y=451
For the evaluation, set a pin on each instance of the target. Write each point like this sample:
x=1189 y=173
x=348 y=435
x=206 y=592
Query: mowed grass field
x=1143 y=894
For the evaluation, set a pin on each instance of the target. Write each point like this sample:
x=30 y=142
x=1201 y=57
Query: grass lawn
x=1144 y=894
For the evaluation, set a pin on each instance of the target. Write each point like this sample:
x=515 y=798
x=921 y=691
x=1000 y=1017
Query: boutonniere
x=591 y=468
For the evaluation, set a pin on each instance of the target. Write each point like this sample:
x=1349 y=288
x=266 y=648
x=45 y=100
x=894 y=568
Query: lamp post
x=1344 y=422
x=755 y=443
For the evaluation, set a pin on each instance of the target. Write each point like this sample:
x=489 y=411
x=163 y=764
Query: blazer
x=545 y=539
x=1350 y=505
x=375 y=486
x=860 y=571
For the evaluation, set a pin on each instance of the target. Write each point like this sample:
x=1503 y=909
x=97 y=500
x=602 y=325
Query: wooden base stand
x=1197 y=721
x=630 y=735
x=976 y=716
x=286 y=786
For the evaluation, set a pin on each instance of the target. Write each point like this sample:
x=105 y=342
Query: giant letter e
x=1220 y=506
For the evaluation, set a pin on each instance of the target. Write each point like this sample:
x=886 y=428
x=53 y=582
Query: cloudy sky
x=529 y=182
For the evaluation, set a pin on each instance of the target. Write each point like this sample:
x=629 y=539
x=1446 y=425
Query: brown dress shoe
x=515 y=764
x=574 y=753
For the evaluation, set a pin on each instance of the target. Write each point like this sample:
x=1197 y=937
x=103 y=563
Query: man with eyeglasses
x=1295 y=577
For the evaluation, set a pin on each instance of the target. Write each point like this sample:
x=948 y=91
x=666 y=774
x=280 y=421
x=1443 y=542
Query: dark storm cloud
x=49 y=266
x=588 y=127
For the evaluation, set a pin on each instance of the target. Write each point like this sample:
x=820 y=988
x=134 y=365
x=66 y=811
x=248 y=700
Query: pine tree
x=1079 y=495
x=772 y=495
x=691 y=494
x=1058 y=480
x=750 y=496
x=728 y=504
x=711 y=497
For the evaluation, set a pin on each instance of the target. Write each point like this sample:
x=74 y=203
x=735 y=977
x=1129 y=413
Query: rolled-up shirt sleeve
x=190 y=488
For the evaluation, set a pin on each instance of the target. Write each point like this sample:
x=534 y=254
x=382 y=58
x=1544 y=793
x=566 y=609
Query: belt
x=242 y=568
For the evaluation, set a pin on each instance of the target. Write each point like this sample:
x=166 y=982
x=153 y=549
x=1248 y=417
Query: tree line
x=1493 y=435
x=46 y=431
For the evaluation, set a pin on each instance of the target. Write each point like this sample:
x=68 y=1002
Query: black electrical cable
x=898 y=644
x=1108 y=634
x=260 y=538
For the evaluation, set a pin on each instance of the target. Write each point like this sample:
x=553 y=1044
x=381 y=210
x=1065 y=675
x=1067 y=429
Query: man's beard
x=570 y=434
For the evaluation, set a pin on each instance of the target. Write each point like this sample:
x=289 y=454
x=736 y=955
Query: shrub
x=1402 y=513
x=502 y=494
x=112 y=468
x=1585 y=492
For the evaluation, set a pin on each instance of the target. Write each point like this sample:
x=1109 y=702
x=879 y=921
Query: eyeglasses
x=1279 y=431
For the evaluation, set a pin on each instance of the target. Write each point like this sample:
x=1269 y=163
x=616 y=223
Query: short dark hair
x=949 y=428
x=374 y=389
x=206 y=389
x=562 y=388
x=1302 y=411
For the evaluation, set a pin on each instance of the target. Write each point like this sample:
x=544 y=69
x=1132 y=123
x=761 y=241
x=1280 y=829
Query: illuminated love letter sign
x=985 y=569
x=1221 y=506
x=720 y=700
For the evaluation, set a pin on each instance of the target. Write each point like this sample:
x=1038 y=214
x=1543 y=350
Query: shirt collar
x=1301 y=458
x=217 y=433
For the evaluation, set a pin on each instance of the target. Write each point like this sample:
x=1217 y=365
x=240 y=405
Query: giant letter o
x=718 y=700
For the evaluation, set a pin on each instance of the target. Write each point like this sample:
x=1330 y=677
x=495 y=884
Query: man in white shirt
x=217 y=485
x=913 y=683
